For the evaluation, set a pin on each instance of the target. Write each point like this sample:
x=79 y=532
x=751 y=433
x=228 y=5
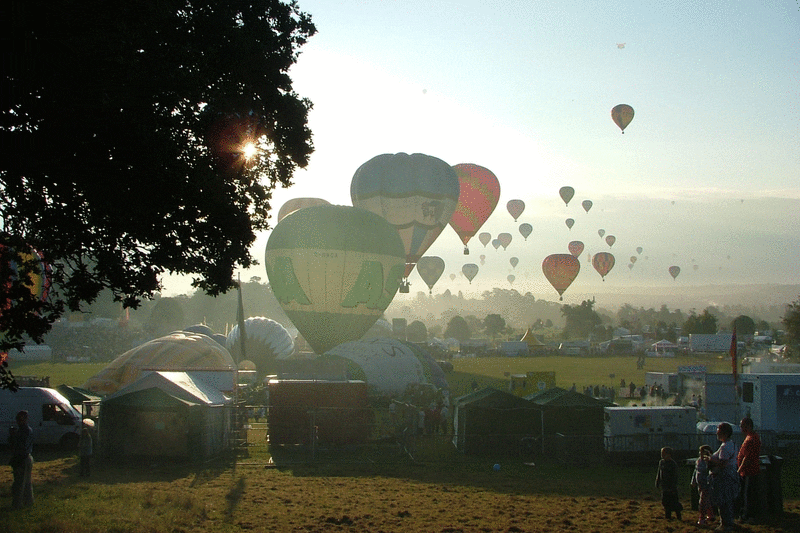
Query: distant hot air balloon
x=525 y=230
x=515 y=208
x=575 y=248
x=601 y=232
x=695 y=267
x=485 y=238
x=569 y=222
x=496 y=243
x=430 y=269
x=299 y=203
x=639 y=250
x=452 y=277
x=566 y=194
x=610 y=240
x=514 y=262
x=630 y=266
x=633 y=259
x=561 y=270
x=587 y=204
x=511 y=278
x=417 y=194
x=334 y=270
x=470 y=270
x=674 y=271
x=505 y=240
x=479 y=192
x=622 y=115
x=603 y=262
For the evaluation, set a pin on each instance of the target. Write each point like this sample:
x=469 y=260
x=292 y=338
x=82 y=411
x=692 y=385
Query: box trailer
x=705 y=342
x=772 y=401
x=720 y=400
x=668 y=381
x=644 y=429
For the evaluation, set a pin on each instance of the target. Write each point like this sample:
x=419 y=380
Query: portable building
x=494 y=421
x=649 y=428
x=708 y=342
x=720 y=400
x=165 y=414
x=772 y=401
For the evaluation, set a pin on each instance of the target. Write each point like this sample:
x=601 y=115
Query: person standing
x=21 y=441
x=700 y=481
x=85 y=448
x=724 y=479
x=749 y=466
x=667 y=481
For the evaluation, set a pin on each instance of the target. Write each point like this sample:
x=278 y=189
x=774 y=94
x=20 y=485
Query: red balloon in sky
x=603 y=262
x=477 y=199
x=575 y=248
x=561 y=270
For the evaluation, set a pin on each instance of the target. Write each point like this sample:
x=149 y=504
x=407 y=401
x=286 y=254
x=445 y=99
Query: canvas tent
x=165 y=414
x=534 y=344
x=493 y=421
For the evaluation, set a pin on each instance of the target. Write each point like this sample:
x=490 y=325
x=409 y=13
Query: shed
x=165 y=414
x=493 y=421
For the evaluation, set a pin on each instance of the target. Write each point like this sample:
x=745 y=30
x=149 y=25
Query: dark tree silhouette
x=744 y=325
x=458 y=329
x=125 y=128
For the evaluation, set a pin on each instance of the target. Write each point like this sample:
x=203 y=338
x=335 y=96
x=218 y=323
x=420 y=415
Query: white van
x=52 y=418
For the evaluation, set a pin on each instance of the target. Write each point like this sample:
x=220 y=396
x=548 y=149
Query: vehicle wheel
x=69 y=441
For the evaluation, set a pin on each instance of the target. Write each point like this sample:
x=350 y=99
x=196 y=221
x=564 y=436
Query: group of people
x=723 y=478
x=20 y=439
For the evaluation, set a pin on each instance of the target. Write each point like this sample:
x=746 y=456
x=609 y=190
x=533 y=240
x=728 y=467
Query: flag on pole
x=240 y=322
x=734 y=362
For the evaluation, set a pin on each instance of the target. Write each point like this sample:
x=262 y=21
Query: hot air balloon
x=430 y=269
x=485 y=238
x=479 y=192
x=674 y=271
x=561 y=270
x=610 y=240
x=622 y=115
x=515 y=208
x=633 y=259
x=470 y=270
x=603 y=262
x=496 y=243
x=587 y=204
x=511 y=278
x=630 y=266
x=601 y=232
x=417 y=194
x=569 y=222
x=639 y=250
x=505 y=240
x=575 y=248
x=299 y=203
x=452 y=277
x=483 y=259
x=334 y=270
x=695 y=267
x=525 y=230
x=566 y=194
x=514 y=262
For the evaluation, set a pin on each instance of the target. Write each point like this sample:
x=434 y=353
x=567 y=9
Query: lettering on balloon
x=284 y=282
x=369 y=288
x=432 y=210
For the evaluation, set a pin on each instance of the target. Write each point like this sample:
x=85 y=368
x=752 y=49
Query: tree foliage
x=494 y=325
x=705 y=322
x=417 y=332
x=791 y=322
x=458 y=329
x=744 y=325
x=581 y=319
x=124 y=126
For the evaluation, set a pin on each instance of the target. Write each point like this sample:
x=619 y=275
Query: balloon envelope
x=601 y=232
x=575 y=248
x=417 y=194
x=267 y=340
x=430 y=269
x=299 y=203
x=511 y=278
x=674 y=271
x=478 y=194
x=515 y=208
x=561 y=270
x=633 y=259
x=638 y=249
x=505 y=239
x=570 y=222
x=334 y=270
x=603 y=262
x=622 y=115
x=610 y=240
x=496 y=243
x=485 y=238
x=525 y=230
x=470 y=270
x=587 y=204
x=566 y=194
x=514 y=262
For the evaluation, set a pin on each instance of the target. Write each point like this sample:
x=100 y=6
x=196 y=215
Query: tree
x=581 y=319
x=416 y=332
x=493 y=325
x=791 y=322
x=458 y=329
x=744 y=325
x=704 y=323
x=141 y=138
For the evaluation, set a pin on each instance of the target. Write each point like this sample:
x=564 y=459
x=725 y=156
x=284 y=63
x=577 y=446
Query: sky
x=705 y=177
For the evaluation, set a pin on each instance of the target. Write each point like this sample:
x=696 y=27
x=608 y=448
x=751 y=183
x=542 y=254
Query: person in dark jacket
x=667 y=481
x=21 y=441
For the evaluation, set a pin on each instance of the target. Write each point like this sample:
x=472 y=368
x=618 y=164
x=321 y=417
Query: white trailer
x=649 y=428
x=772 y=401
x=720 y=400
x=704 y=342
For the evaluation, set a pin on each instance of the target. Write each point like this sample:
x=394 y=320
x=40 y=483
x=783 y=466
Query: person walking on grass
x=667 y=481
x=21 y=441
